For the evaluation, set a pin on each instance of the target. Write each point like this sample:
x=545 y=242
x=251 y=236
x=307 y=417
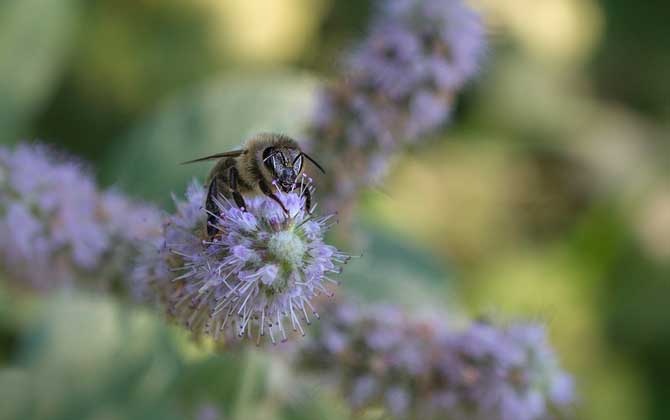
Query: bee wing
x=232 y=153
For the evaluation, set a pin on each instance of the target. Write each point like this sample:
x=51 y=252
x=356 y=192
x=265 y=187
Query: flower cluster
x=57 y=228
x=399 y=85
x=256 y=276
x=420 y=369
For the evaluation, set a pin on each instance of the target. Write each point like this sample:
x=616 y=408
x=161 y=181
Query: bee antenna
x=314 y=162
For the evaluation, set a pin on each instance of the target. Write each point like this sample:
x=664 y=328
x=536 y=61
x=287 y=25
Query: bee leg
x=211 y=206
x=239 y=200
x=308 y=200
x=267 y=191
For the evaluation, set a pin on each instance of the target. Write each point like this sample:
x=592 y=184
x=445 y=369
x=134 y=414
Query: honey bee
x=266 y=159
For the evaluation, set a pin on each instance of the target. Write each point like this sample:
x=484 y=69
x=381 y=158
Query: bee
x=266 y=159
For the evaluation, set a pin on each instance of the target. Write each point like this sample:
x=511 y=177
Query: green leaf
x=212 y=118
x=314 y=403
x=84 y=357
x=35 y=40
x=392 y=269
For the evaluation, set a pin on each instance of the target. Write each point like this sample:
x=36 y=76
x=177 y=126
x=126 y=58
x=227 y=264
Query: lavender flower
x=152 y=274
x=257 y=276
x=399 y=85
x=420 y=369
x=207 y=411
x=57 y=229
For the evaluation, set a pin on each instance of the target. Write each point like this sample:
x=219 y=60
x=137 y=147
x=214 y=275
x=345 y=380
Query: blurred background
x=547 y=198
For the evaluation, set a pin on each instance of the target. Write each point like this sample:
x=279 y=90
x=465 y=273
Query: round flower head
x=419 y=369
x=57 y=228
x=256 y=276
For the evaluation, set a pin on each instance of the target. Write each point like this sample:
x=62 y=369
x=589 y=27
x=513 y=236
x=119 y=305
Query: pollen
x=287 y=247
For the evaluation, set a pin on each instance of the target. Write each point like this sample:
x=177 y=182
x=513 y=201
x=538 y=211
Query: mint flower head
x=505 y=373
x=418 y=54
x=257 y=276
x=58 y=229
x=398 y=85
x=421 y=369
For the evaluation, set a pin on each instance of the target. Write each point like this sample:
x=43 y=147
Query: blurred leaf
x=550 y=108
x=35 y=36
x=212 y=118
x=129 y=56
x=633 y=62
x=315 y=404
x=393 y=269
x=15 y=388
x=5 y=302
x=90 y=358
x=216 y=379
x=598 y=240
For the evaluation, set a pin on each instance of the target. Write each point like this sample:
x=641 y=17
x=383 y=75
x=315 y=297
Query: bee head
x=285 y=164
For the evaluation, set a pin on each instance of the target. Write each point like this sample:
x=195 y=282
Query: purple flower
x=427 y=110
x=390 y=60
x=127 y=219
x=363 y=391
x=207 y=411
x=399 y=85
x=258 y=276
x=57 y=228
x=153 y=269
x=503 y=373
x=452 y=35
x=398 y=401
x=421 y=369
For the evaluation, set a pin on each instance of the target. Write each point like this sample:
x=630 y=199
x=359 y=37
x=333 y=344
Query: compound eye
x=297 y=164
x=272 y=159
x=267 y=152
x=277 y=165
